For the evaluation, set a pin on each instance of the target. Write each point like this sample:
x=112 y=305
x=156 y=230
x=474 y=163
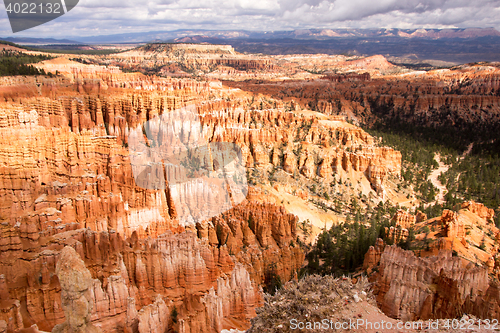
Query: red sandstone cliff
x=465 y=97
x=66 y=180
x=453 y=276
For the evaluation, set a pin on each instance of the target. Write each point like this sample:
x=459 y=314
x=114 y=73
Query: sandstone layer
x=451 y=270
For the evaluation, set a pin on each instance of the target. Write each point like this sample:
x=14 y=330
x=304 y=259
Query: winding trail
x=467 y=152
x=433 y=177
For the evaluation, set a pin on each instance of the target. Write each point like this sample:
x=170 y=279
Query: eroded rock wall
x=442 y=286
x=66 y=180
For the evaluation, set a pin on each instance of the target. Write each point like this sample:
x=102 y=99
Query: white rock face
x=204 y=178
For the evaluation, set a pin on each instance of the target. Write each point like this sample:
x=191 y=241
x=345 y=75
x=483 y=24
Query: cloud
x=443 y=12
x=97 y=17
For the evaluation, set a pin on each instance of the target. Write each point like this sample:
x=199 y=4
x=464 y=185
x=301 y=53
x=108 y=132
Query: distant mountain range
x=37 y=41
x=294 y=34
x=452 y=45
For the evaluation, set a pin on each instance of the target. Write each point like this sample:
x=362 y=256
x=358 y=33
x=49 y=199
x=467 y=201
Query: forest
x=341 y=249
x=19 y=63
x=474 y=176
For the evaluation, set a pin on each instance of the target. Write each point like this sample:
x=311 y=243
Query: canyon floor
x=191 y=188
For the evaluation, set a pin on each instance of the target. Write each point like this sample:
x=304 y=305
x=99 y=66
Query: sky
x=104 y=17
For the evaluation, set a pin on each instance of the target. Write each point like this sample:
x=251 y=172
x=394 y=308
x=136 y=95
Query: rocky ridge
x=464 y=97
x=452 y=268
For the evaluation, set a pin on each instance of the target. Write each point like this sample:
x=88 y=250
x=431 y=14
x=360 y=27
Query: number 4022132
x=34 y=8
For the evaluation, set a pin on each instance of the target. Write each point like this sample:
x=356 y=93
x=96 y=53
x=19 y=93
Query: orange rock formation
x=66 y=180
x=455 y=275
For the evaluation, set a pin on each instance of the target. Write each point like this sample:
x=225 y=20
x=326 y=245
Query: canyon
x=176 y=246
x=68 y=181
